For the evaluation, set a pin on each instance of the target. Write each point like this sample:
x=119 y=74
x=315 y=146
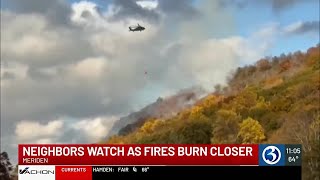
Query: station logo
x=271 y=155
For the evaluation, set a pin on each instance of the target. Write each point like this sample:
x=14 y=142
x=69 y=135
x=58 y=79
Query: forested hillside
x=275 y=100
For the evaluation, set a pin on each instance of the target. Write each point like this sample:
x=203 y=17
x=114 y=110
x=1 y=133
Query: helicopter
x=136 y=28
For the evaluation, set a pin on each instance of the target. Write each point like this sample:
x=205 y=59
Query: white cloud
x=45 y=141
x=293 y=27
x=148 y=4
x=22 y=38
x=64 y=130
x=92 y=68
x=31 y=130
x=94 y=129
x=30 y=39
x=86 y=13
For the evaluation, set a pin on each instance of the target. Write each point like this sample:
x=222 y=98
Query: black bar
x=214 y=172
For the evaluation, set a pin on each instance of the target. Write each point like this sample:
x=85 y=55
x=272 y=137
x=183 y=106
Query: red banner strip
x=147 y=154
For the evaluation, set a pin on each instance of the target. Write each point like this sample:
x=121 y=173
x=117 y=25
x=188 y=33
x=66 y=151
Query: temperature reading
x=293 y=159
x=145 y=169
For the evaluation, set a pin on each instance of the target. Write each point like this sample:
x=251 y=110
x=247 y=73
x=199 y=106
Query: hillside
x=275 y=100
x=162 y=108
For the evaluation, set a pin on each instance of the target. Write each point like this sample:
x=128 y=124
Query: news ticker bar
x=161 y=154
x=105 y=172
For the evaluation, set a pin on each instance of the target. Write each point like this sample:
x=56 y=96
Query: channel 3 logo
x=271 y=155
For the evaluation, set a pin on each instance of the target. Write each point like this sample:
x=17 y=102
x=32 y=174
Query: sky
x=70 y=69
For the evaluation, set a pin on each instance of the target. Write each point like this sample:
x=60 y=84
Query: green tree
x=244 y=101
x=196 y=128
x=150 y=126
x=251 y=131
x=260 y=108
x=209 y=105
x=225 y=127
x=280 y=103
x=193 y=132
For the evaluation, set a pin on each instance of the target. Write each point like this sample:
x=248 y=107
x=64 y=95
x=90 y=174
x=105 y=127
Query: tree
x=313 y=57
x=285 y=65
x=275 y=61
x=115 y=139
x=196 y=113
x=251 y=70
x=209 y=105
x=263 y=65
x=260 y=108
x=150 y=126
x=272 y=82
x=15 y=175
x=6 y=167
x=251 y=131
x=225 y=127
x=196 y=128
x=308 y=135
x=244 y=101
x=312 y=149
x=280 y=104
x=193 y=132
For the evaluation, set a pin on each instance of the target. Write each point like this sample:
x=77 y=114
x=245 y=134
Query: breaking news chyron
x=93 y=162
